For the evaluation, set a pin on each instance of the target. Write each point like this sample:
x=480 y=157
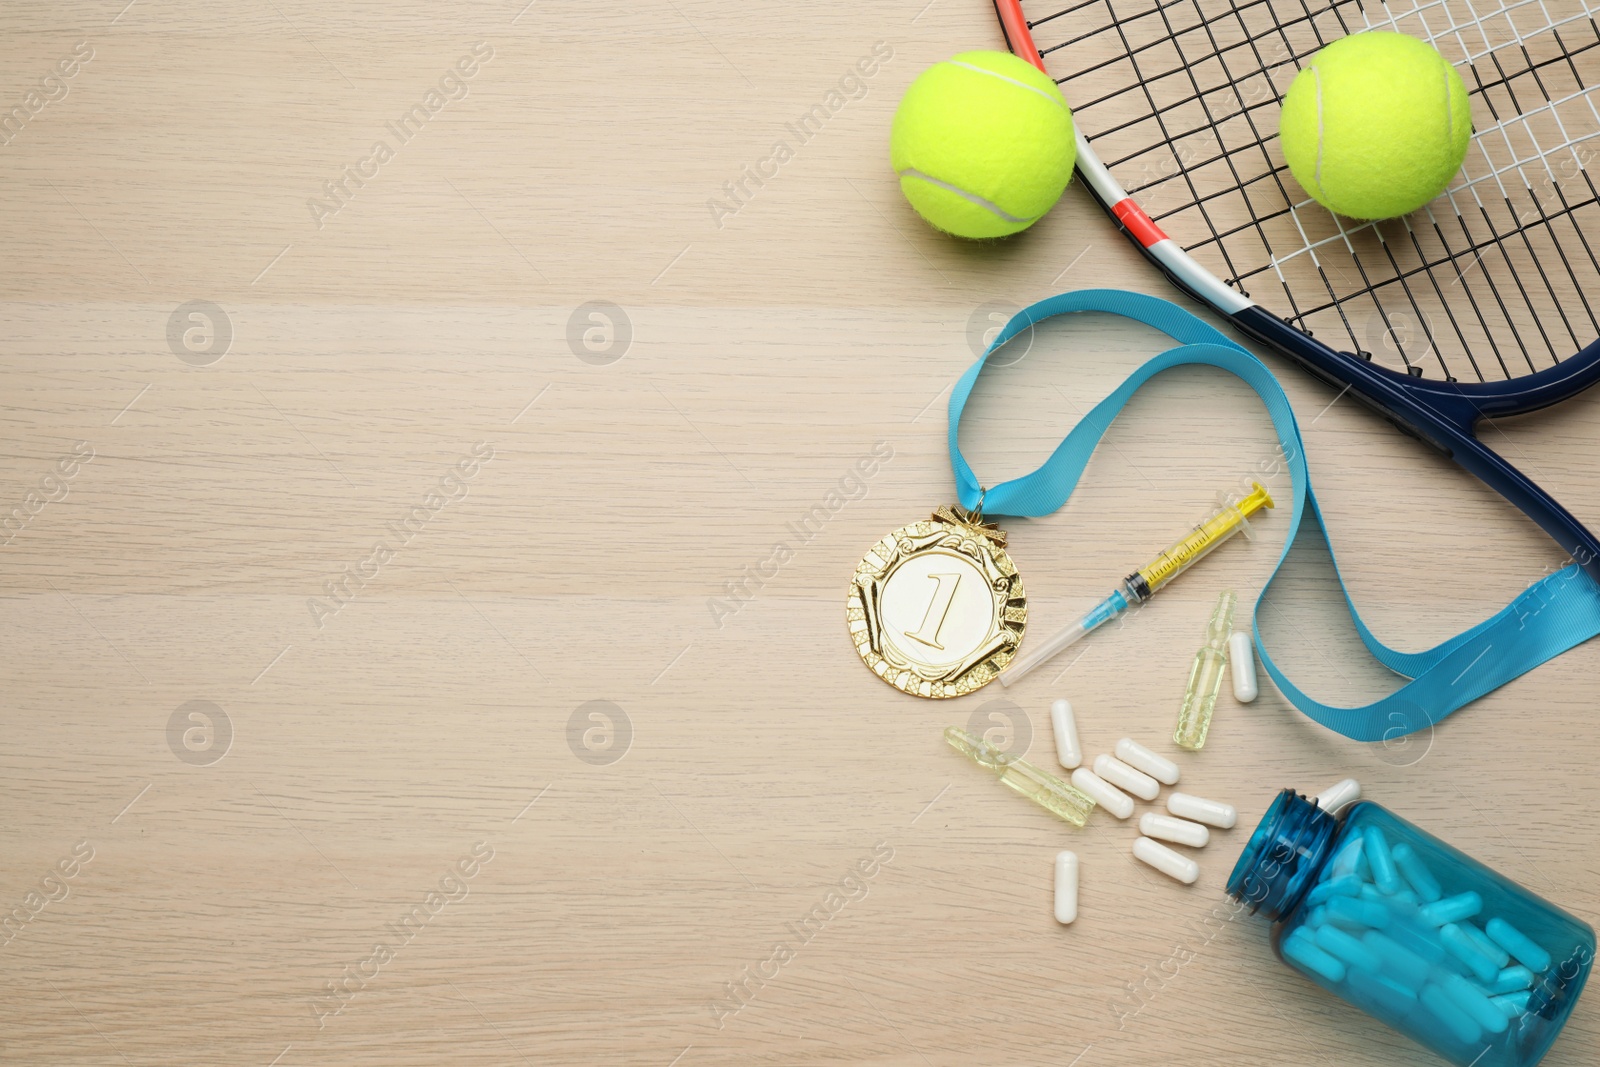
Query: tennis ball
x=983 y=144
x=1376 y=126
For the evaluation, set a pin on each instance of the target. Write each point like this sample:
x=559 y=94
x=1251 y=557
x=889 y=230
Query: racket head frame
x=1442 y=414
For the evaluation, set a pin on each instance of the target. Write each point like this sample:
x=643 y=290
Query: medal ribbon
x=1551 y=616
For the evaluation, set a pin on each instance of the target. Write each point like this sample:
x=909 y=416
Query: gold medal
x=936 y=608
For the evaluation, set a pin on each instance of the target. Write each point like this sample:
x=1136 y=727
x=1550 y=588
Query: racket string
x=1180 y=99
x=1593 y=324
x=1507 y=82
x=1488 y=98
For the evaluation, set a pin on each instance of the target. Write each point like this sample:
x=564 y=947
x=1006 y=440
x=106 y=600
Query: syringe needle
x=1099 y=615
x=1061 y=799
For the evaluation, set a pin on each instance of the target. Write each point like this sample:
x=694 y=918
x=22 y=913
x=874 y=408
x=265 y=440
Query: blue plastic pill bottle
x=1413 y=932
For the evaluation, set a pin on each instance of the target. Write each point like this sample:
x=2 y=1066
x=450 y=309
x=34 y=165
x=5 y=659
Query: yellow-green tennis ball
x=983 y=144
x=1376 y=126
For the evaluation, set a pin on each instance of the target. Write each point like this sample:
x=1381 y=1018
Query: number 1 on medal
x=938 y=608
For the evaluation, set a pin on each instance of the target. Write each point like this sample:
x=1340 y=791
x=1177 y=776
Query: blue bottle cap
x=1281 y=861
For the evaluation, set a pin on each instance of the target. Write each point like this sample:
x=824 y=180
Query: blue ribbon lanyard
x=1548 y=618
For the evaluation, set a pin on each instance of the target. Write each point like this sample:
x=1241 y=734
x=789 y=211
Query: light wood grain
x=371 y=753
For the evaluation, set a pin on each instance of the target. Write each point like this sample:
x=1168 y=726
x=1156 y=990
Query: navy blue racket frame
x=1443 y=414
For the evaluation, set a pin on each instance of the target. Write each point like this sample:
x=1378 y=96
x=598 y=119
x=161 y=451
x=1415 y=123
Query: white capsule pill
x=1160 y=768
x=1066 y=887
x=1126 y=778
x=1199 y=809
x=1068 y=751
x=1170 y=863
x=1242 y=665
x=1168 y=828
x=1104 y=793
x=1339 y=795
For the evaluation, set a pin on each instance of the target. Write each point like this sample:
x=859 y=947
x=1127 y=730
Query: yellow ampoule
x=1205 y=677
x=1061 y=799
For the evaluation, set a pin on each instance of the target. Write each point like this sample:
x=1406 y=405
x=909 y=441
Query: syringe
x=1142 y=584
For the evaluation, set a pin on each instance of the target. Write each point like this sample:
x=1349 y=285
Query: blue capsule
x=1344 y=886
x=1470 y=999
x=1381 y=860
x=1401 y=904
x=1399 y=963
x=1337 y=943
x=1462 y=948
x=1354 y=912
x=1486 y=944
x=1519 y=944
x=1422 y=940
x=1447 y=1011
x=1510 y=980
x=1513 y=1004
x=1300 y=948
x=1453 y=909
x=1416 y=873
x=1383 y=990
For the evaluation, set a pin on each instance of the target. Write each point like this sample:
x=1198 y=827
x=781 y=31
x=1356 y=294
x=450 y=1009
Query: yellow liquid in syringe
x=1208 y=535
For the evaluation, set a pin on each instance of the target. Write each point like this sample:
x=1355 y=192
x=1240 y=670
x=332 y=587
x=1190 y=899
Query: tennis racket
x=1479 y=306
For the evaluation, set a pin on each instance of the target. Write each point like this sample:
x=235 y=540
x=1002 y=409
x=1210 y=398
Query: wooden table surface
x=383 y=654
